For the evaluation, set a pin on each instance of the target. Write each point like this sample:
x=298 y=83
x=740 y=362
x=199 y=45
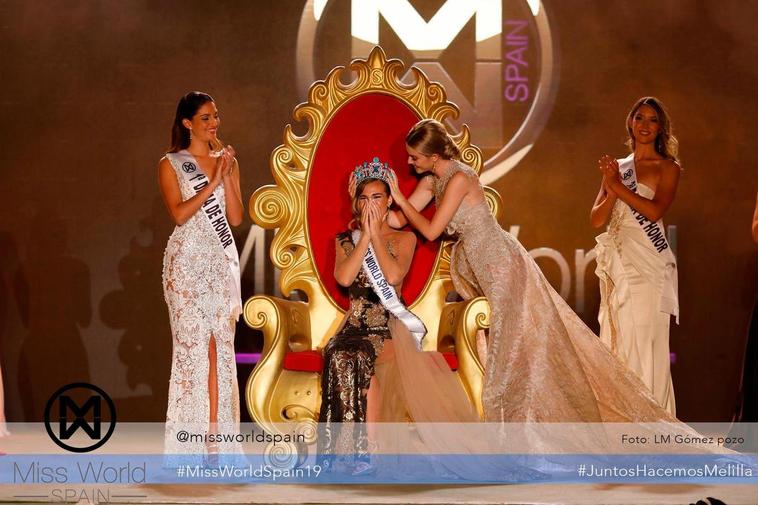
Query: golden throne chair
x=309 y=204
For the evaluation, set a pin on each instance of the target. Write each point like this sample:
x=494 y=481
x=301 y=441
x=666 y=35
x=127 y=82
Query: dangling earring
x=190 y=133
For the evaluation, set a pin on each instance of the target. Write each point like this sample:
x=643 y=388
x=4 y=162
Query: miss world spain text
x=249 y=471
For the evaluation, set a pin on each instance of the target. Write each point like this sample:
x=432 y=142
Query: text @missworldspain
x=253 y=436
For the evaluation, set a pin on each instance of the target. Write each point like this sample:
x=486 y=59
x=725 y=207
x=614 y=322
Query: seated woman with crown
x=373 y=367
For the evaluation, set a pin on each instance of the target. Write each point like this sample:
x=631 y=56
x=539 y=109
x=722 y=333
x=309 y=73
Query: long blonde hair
x=429 y=136
x=666 y=143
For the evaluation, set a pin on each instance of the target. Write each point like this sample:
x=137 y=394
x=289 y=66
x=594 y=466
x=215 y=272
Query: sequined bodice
x=366 y=311
x=466 y=218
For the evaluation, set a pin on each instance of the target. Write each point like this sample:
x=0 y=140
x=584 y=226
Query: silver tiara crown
x=372 y=170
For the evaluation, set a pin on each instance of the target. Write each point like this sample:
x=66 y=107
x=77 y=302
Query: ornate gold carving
x=459 y=332
x=298 y=412
x=494 y=202
x=294 y=326
x=283 y=205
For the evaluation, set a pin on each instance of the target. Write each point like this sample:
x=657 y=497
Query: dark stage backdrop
x=89 y=89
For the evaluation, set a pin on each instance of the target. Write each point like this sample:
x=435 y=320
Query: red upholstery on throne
x=452 y=360
x=313 y=361
x=373 y=124
x=303 y=361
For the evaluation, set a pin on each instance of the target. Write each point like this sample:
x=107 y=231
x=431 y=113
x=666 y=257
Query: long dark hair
x=666 y=144
x=188 y=106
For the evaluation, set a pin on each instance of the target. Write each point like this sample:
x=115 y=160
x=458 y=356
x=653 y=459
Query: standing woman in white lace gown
x=201 y=188
x=635 y=264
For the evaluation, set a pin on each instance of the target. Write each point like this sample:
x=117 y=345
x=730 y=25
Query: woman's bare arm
x=419 y=199
x=456 y=190
x=347 y=265
x=655 y=208
x=179 y=210
x=603 y=206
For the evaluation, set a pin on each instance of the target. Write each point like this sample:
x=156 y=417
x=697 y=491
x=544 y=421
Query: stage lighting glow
x=318 y=8
x=247 y=358
x=417 y=34
x=514 y=79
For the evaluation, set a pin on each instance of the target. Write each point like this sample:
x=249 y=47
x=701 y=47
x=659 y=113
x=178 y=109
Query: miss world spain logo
x=496 y=59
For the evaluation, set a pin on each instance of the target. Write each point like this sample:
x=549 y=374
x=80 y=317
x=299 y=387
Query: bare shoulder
x=669 y=168
x=464 y=180
x=670 y=165
x=168 y=180
x=461 y=177
x=165 y=169
x=404 y=237
x=426 y=182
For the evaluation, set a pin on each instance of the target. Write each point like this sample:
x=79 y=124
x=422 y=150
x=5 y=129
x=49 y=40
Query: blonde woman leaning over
x=543 y=363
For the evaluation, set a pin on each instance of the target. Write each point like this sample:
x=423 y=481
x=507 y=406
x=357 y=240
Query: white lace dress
x=199 y=296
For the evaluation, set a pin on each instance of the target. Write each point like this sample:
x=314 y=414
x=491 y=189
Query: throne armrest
x=459 y=323
x=286 y=327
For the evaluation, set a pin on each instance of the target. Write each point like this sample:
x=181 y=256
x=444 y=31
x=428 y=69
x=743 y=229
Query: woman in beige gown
x=543 y=363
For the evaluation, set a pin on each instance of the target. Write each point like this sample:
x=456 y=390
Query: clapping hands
x=224 y=164
x=609 y=169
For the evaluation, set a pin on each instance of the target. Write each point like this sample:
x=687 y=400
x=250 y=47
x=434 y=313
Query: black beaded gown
x=373 y=371
x=349 y=360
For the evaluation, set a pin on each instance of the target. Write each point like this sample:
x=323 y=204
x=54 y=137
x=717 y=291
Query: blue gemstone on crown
x=374 y=169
